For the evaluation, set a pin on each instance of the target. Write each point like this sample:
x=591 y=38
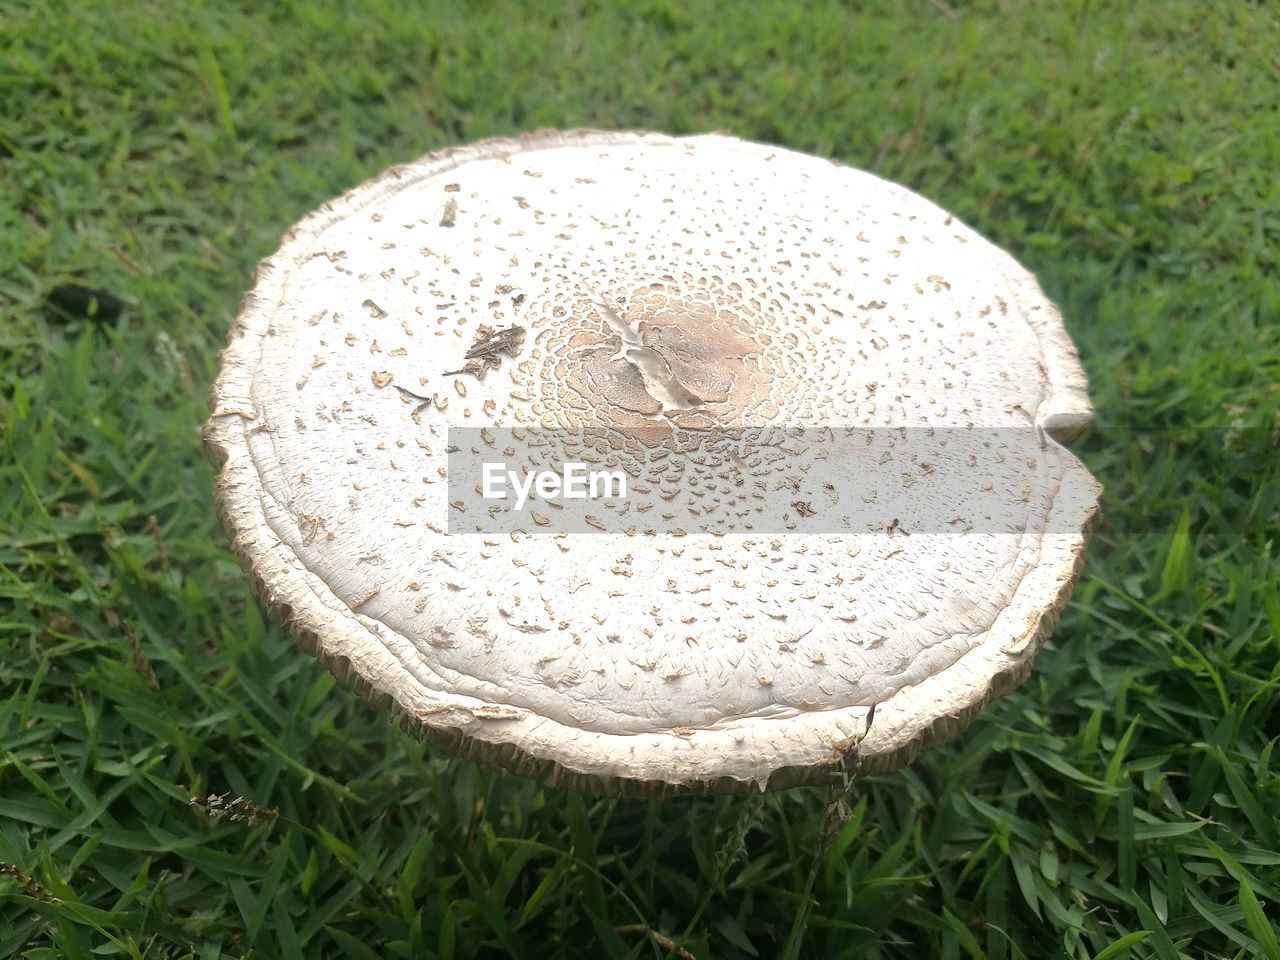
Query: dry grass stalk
x=29 y=885
x=216 y=806
x=141 y=663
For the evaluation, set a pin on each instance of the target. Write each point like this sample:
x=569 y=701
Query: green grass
x=1123 y=803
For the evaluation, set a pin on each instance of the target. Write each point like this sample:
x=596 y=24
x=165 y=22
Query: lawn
x=1125 y=802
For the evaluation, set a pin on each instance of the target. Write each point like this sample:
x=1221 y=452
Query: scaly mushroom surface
x=839 y=410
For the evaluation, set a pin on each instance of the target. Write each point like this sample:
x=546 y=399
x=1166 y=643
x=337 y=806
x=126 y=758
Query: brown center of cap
x=665 y=353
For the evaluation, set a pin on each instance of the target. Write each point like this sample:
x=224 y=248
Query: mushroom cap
x=850 y=523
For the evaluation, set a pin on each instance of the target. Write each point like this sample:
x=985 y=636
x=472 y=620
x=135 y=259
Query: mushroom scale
x=764 y=343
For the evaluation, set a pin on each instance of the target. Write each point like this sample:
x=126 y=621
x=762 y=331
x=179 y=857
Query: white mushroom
x=840 y=411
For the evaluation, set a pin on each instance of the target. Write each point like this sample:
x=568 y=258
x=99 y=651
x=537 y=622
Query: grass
x=1123 y=803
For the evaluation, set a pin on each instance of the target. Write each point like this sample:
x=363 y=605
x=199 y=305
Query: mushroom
x=850 y=521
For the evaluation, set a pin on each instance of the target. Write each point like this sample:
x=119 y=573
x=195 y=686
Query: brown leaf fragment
x=486 y=352
x=423 y=402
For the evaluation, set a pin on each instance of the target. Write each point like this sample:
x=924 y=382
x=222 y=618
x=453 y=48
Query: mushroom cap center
x=663 y=353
